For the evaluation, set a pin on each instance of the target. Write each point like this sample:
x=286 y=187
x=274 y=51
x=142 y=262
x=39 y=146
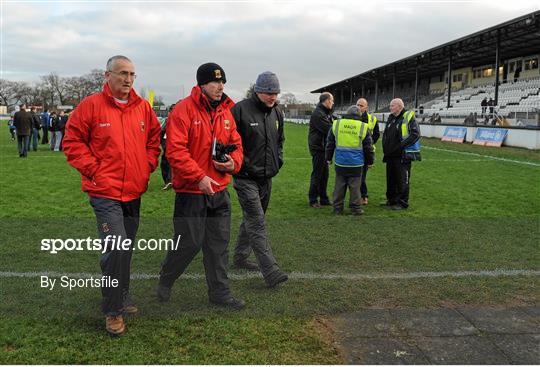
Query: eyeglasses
x=124 y=74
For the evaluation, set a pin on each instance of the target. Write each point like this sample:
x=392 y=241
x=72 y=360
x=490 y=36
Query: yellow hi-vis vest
x=372 y=121
x=350 y=135
x=407 y=116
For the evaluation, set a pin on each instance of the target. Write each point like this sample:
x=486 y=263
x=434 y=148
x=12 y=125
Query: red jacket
x=191 y=128
x=114 y=146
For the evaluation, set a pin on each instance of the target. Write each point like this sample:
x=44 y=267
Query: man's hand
x=205 y=185
x=227 y=167
x=329 y=162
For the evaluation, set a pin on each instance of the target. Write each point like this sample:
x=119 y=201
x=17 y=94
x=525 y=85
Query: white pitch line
x=302 y=275
x=484 y=156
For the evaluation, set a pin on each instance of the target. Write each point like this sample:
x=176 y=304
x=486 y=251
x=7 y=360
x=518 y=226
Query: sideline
x=483 y=156
x=302 y=275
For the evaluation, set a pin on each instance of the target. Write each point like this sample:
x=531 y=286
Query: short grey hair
x=325 y=96
x=398 y=101
x=112 y=61
x=354 y=110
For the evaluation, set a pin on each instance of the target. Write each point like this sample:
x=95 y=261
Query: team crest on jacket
x=217 y=73
x=227 y=123
x=142 y=125
x=277 y=124
x=105 y=227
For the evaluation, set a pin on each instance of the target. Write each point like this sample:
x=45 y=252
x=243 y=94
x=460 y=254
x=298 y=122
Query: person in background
x=350 y=139
x=401 y=146
x=45 y=117
x=36 y=126
x=23 y=122
x=164 y=165
x=373 y=126
x=52 y=123
x=319 y=125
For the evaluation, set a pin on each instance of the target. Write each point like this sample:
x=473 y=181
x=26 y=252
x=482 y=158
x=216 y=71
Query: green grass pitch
x=469 y=212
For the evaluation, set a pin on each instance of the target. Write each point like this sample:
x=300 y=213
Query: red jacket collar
x=133 y=98
x=201 y=101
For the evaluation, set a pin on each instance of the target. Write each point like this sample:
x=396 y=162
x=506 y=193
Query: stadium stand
x=422 y=80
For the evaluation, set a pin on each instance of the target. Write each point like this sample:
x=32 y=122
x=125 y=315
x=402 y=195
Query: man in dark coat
x=260 y=124
x=23 y=122
x=319 y=124
x=401 y=146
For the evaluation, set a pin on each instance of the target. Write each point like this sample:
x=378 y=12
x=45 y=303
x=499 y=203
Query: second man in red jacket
x=196 y=128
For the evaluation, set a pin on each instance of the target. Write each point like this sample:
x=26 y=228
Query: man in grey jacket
x=260 y=124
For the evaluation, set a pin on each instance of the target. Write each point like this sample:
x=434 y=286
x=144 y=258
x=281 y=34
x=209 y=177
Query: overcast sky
x=308 y=44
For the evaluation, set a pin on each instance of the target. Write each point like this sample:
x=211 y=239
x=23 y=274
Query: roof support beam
x=497 y=58
x=449 y=76
x=416 y=86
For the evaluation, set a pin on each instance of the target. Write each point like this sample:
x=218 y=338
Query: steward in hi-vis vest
x=373 y=126
x=401 y=145
x=350 y=139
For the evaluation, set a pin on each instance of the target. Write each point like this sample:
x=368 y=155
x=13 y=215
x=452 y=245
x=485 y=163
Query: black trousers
x=202 y=222
x=319 y=178
x=398 y=176
x=45 y=138
x=165 y=169
x=363 y=185
x=116 y=218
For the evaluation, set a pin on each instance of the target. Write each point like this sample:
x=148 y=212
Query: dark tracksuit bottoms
x=202 y=222
x=319 y=178
x=398 y=175
x=254 y=196
x=116 y=218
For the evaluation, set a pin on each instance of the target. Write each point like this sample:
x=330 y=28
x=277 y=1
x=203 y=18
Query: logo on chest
x=104 y=124
x=142 y=125
x=227 y=124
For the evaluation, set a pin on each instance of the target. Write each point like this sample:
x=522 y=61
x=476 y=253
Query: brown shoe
x=129 y=307
x=115 y=325
x=365 y=201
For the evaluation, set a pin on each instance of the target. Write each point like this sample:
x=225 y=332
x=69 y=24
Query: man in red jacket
x=112 y=139
x=202 y=210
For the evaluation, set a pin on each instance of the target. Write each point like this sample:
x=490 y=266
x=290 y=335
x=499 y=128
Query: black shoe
x=397 y=207
x=163 y=293
x=246 y=264
x=315 y=205
x=326 y=203
x=358 y=212
x=337 y=212
x=234 y=303
x=276 y=278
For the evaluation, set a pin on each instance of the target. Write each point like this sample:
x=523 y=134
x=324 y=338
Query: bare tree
x=158 y=101
x=9 y=93
x=94 y=81
x=249 y=91
x=143 y=93
x=288 y=98
x=57 y=84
